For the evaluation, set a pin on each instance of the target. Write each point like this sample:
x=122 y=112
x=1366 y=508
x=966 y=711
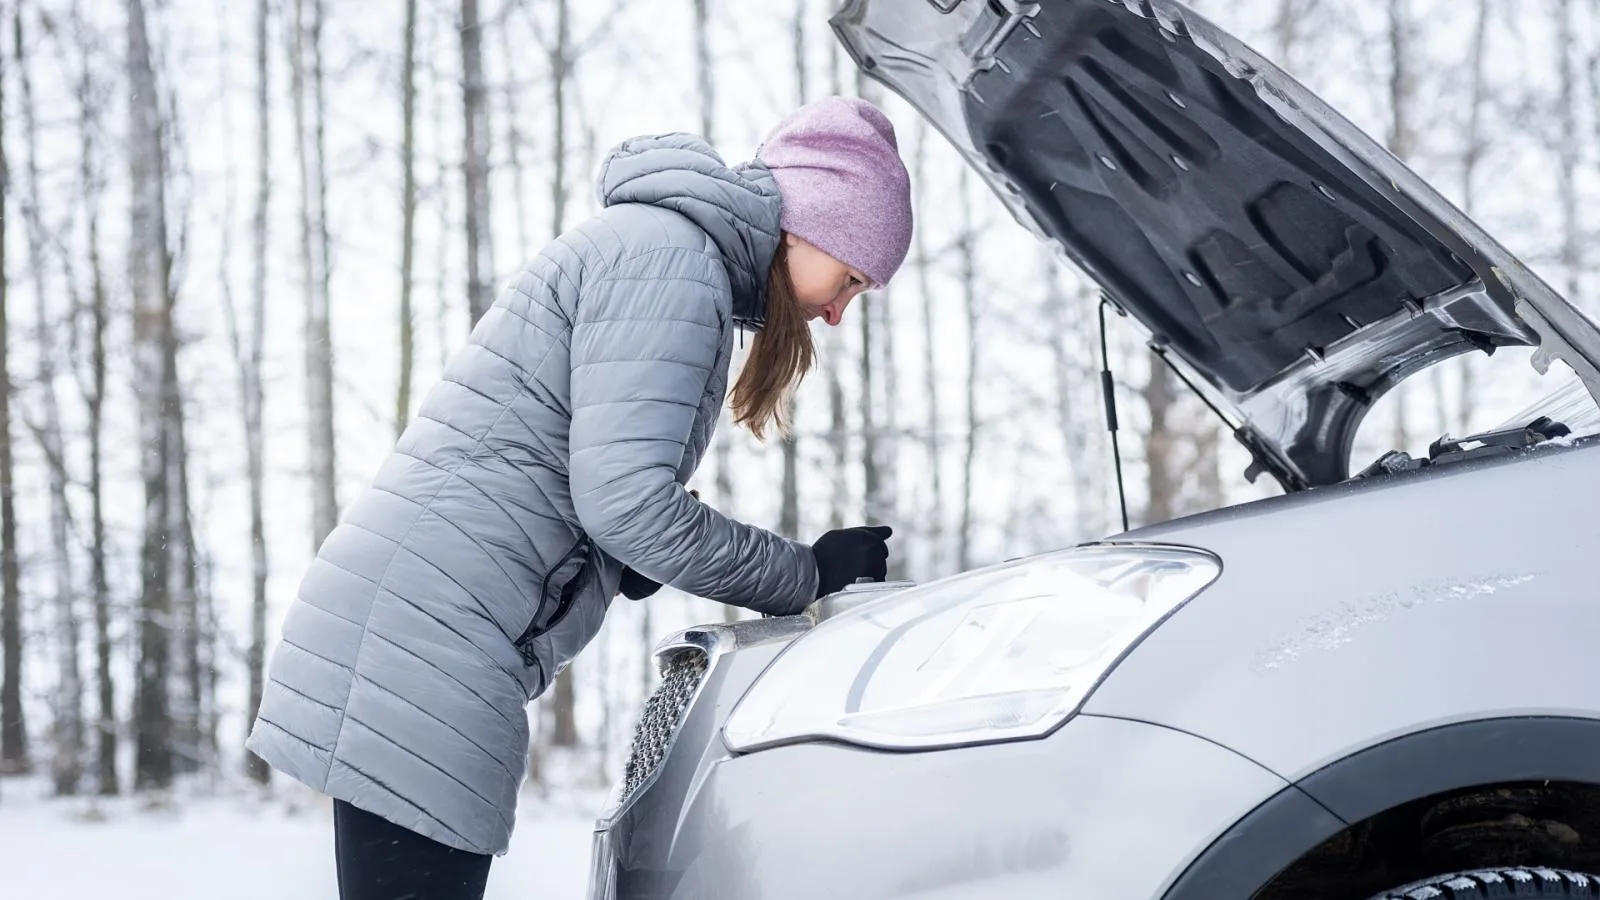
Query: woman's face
x=823 y=286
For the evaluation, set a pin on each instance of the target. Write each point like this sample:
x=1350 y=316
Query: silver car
x=1383 y=683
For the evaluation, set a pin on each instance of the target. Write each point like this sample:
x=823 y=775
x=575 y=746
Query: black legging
x=379 y=860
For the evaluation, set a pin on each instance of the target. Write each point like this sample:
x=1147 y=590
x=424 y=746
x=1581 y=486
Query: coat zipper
x=524 y=643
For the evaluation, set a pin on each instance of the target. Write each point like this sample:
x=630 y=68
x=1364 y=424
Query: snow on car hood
x=1278 y=255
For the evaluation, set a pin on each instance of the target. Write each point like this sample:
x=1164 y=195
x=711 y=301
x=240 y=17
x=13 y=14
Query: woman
x=546 y=472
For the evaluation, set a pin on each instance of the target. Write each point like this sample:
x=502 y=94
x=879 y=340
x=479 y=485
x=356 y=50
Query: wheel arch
x=1382 y=778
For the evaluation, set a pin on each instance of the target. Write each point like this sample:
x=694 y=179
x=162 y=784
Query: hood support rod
x=1108 y=388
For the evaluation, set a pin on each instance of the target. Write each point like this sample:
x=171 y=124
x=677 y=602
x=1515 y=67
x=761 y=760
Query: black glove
x=635 y=586
x=845 y=554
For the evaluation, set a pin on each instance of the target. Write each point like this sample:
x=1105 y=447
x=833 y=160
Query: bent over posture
x=545 y=473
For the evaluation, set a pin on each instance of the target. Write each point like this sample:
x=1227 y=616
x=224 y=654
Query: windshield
x=1474 y=394
x=1568 y=402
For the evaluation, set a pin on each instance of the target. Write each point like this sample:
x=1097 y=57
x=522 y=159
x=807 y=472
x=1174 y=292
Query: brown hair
x=780 y=355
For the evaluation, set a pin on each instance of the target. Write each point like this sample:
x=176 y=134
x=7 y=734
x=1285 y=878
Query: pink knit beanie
x=844 y=187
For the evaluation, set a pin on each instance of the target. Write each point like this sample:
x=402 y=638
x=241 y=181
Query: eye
x=856 y=282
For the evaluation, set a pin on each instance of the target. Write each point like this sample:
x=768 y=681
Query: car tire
x=1512 y=882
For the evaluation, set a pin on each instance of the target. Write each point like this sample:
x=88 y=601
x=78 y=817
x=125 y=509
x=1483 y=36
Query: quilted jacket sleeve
x=647 y=335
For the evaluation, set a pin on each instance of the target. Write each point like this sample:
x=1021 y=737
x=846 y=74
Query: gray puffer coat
x=553 y=452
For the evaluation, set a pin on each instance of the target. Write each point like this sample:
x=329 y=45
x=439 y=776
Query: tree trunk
x=442 y=178
x=1068 y=325
x=106 y=778
x=1593 y=65
x=1473 y=147
x=13 y=727
x=475 y=158
x=838 y=426
x=514 y=140
x=560 y=71
x=1163 y=469
x=250 y=386
x=888 y=449
x=838 y=440
x=871 y=484
x=970 y=304
x=1289 y=25
x=187 y=631
x=189 y=714
x=933 y=529
x=1209 y=493
x=1567 y=155
x=705 y=85
x=105 y=762
x=148 y=261
x=105 y=684
x=563 y=714
x=408 y=218
x=314 y=245
x=1399 y=140
x=878 y=502
x=66 y=729
x=789 y=506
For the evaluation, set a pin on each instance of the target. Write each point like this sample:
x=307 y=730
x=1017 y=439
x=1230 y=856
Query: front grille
x=663 y=713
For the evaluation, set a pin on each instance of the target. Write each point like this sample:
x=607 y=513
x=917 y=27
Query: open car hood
x=1284 y=261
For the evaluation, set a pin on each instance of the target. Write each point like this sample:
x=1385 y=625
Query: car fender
x=1354 y=615
x=1422 y=764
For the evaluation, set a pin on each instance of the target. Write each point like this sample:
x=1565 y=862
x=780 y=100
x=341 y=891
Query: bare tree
x=155 y=358
x=789 y=506
x=106 y=778
x=306 y=62
x=888 y=450
x=560 y=55
x=1068 y=329
x=248 y=351
x=188 y=704
x=1162 y=460
x=13 y=726
x=1567 y=153
x=967 y=253
x=563 y=702
x=838 y=439
x=105 y=684
x=1289 y=25
x=408 y=217
x=838 y=426
x=933 y=536
x=1400 y=139
x=1474 y=144
x=878 y=442
x=480 y=245
x=192 y=637
x=1593 y=65
x=871 y=481
x=442 y=177
x=515 y=138
x=1208 y=492
x=66 y=760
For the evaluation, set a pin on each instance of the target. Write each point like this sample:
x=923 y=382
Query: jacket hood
x=737 y=206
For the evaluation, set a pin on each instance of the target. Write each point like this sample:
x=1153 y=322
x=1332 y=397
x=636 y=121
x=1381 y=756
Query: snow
x=244 y=848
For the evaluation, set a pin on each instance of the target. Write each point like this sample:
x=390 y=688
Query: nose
x=833 y=313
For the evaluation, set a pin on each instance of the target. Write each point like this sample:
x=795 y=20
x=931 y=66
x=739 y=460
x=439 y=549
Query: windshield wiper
x=1474 y=446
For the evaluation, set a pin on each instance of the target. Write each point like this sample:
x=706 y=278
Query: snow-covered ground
x=243 y=848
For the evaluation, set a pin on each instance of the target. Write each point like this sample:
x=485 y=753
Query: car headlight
x=1001 y=653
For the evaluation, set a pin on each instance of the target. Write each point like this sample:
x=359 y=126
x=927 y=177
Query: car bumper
x=1104 y=808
